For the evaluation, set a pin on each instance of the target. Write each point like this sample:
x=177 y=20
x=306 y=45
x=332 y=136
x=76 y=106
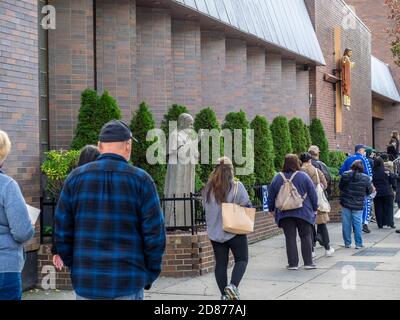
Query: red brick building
x=268 y=57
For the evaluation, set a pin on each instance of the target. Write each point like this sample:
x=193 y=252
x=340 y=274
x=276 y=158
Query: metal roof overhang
x=383 y=84
x=282 y=26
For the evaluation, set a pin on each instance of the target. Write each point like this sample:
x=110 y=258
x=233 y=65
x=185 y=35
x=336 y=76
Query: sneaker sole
x=231 y=294
x=310 y=268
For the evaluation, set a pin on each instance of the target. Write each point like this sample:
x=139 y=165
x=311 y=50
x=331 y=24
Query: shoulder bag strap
x=318 y=179
x=235 y=188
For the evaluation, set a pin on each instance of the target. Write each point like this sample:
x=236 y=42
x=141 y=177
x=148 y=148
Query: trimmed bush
x=142 y=122
x=172 y=115
x=307 y=136
x=282 y=142
x=264 y=166
x=297 y=136
x=318 y=138
x=205 y=119
x=336 y=159
x=238 y=120
x=94 y=113
x=56 y=167
x=86 y=131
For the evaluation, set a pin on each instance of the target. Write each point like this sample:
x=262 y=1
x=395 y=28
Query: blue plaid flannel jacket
x=110 y=229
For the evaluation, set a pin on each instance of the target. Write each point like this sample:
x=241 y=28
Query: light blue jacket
x=15 y=226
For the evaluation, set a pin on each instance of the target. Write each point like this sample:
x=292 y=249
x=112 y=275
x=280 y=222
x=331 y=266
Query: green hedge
x=238 y=120
x=57 y=166
x=336 y=159
x=307 y=136
x=142 y=122
x=297 y=136
x=318 y=138
x=205 y=119
x=94 y=113
x=172 y=115
x=282 y=142
x=264 y=166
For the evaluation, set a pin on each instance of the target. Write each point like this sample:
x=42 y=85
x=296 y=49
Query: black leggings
x=384 y=211
x=240 y=250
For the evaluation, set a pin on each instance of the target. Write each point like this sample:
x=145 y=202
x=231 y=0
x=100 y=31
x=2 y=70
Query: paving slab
x=370 y=273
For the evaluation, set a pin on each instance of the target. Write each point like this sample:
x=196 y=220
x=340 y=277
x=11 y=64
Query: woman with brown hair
x=221 y=188
x=317 y=176
x=301 y=219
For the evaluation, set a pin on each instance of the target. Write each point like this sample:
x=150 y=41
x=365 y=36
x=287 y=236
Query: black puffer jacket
x=384 y=182
x=354 y=188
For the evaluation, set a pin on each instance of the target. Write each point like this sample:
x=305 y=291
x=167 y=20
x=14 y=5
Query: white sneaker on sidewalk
x=330 y=252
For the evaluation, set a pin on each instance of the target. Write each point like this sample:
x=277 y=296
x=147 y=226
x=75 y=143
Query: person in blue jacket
x=360 y=154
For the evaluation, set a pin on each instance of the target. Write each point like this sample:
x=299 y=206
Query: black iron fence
x=184 y=213
x=190 y=206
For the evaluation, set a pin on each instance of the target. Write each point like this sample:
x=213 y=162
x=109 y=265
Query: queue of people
x=110 y=231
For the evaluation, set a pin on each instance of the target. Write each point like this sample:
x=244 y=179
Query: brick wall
x=273 y=88
x=71 y=66
x=19 y=90
x=116 y=52
x=301 y=107
x=235 y=73
x=357 y=123
x=255 y=97
x=154 y=59
x=212 y=71
x=375 y=15
x=186 y=53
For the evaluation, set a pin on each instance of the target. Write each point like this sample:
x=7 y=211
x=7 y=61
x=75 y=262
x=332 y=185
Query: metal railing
x=194 y=218
x=189 y=206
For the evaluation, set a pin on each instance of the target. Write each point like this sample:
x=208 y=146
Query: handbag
x=237 y=219
x=323 y=203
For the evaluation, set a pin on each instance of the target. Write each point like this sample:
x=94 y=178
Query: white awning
x=382 y=81
x=283 y=23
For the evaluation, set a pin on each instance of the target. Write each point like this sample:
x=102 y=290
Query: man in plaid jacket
x=110 y=230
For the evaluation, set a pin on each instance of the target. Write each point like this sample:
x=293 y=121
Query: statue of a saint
x=346 y=66
x=180 y=179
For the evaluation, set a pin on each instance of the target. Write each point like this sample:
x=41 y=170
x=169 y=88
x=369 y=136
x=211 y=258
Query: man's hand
x=58 y=263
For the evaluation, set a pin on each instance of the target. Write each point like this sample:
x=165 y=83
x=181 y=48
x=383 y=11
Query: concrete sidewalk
x=370 y=273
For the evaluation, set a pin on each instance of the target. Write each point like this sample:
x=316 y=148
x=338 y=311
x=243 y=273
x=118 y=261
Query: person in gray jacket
x=15 y=230
x=221 y=189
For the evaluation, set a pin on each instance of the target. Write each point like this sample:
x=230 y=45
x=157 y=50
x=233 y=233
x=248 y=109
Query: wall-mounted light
x=311 y=99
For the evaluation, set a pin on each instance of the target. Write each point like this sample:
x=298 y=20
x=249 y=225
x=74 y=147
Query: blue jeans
x=10 y=286
x=136 y=296
x=351 y=218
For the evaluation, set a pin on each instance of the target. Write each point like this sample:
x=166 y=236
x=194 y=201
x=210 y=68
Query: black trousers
x=240 y=250
x=322 y=236
x=290 y=227
x=384 y=211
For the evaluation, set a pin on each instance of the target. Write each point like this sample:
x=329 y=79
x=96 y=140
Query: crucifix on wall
x=341 y=79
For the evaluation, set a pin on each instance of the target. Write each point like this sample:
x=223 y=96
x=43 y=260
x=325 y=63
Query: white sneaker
x=314 y=254
x=330 y=252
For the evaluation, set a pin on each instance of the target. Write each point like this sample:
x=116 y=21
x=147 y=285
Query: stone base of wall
x=186 y=255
